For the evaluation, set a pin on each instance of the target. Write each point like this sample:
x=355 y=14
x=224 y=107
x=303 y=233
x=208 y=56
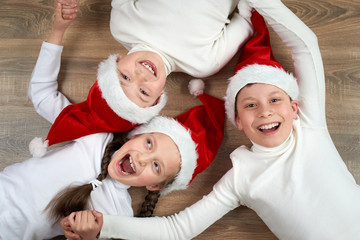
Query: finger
x=65 y=224
x=78 y=217
x=71 y=235
x=90 y=219
x=58 y=9
x=69 y=13
x=66 y=3
x=71 y=219
x=69 y=17
x=69 y=10
x=99 y=217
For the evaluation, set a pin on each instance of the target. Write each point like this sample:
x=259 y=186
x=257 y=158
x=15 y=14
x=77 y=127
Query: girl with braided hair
x=163 y=155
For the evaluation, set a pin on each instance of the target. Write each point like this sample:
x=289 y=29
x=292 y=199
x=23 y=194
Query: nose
x=140 y=74
x=265 y=111
x=143 y=75
x=143 y=159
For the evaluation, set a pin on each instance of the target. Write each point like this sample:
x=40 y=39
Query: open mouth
x=149 y=66
x=269 y=128
x=126 y=165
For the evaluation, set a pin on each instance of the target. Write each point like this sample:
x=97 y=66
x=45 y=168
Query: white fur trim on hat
x=112 y=92
x=182 y=138
x=256 y=73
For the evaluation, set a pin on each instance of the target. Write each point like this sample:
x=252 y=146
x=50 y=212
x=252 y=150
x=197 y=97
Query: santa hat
x=198 y=134
x=258 y=65
x=106 y=109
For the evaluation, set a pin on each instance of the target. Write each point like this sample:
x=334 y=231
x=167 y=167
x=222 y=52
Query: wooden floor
x=25 y=24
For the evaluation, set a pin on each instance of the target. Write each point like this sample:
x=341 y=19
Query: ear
x=158 y=99
x=156 y=187
x=238 y=123
x=294 y=107
x=118 y=58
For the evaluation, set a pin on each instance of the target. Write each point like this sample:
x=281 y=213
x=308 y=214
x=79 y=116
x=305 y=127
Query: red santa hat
x=258 y=65
x=106 y=109
x=198 y=134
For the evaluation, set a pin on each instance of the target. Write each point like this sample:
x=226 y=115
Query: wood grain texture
x=25 y=24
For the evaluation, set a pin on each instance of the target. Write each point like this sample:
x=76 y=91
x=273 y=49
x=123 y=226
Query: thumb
x=99 y=217
x=58 y=9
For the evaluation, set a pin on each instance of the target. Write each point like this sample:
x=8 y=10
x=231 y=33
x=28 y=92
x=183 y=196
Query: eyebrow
x=277 y=92
x=141 y=96
x=247 y=99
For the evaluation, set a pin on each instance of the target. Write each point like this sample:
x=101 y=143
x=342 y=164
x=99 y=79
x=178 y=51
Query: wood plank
x=25 y=24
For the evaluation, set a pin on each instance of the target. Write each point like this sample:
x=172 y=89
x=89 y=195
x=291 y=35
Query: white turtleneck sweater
x=301 y=189
x=195 y=37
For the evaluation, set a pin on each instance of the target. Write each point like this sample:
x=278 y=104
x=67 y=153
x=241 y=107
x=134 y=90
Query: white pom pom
x=37 y=147
x=196 y=87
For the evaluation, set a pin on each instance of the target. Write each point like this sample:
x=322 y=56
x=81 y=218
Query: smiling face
x=149 y=159
x=142 y=77
x=265 y=113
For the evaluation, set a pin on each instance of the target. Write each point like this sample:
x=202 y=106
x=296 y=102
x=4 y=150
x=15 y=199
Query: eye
x=143 y=92
x=251 y=105
x=125 y=77
x=149 y=144
x=275 y=100
x=157 y=167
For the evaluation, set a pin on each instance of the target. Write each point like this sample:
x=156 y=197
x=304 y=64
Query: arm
x=48 y=102
x=184 y=225
x=235 y=34
x=305 y=54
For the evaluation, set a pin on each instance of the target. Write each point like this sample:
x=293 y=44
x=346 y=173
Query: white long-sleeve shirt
x=301 y=189
x=195 y=37
x=26 y=188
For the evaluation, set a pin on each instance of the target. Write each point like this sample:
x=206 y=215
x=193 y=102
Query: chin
x=270 y=144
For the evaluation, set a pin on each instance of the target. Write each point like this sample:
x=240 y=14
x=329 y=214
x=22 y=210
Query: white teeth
x=269 y=126
x=125 y=173
x=131 y=164
x=148 y=67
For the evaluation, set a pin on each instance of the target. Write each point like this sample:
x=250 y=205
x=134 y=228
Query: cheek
x=132 y=144
x=159 y=86
x=111 y=169
x=245 y=121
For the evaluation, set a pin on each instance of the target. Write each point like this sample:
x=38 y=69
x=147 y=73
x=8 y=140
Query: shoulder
x=238 y=152
x=95 y=141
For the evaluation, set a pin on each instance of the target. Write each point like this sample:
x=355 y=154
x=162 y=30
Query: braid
x=151 y=199
x=76 y=198
x=115 y=144
x=149 y=204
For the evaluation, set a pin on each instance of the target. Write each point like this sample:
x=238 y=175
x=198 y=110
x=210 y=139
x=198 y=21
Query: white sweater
x=300 y=189
x=195 y=37
x=26 y=188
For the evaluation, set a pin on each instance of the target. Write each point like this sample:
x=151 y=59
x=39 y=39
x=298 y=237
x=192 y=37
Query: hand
x=68 y=232
x=69 y=9
x=65 y=13
x=87 y=224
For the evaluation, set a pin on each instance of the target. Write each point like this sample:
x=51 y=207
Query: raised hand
x=65 y=13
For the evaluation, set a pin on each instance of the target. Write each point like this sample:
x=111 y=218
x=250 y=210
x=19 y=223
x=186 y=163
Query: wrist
x=55 y=36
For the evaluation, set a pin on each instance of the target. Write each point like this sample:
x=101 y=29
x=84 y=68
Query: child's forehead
x=256 y=90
